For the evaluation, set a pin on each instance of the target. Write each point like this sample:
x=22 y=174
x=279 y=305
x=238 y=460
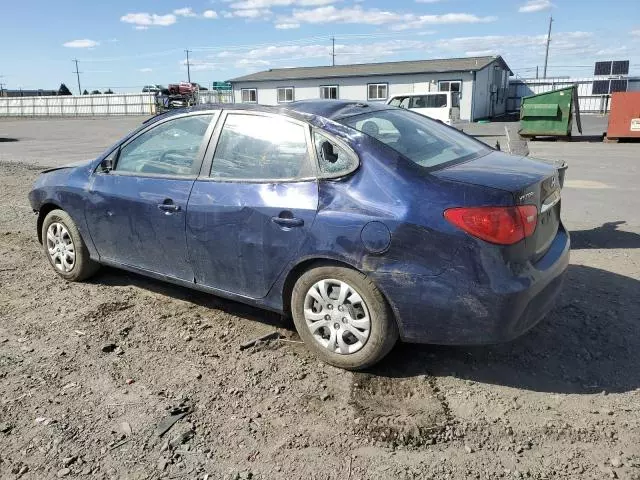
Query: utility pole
x=546 y=55
x=333 y=51
x=188 y=68
x=1 y=87
x=77 y=72
x=536 y=71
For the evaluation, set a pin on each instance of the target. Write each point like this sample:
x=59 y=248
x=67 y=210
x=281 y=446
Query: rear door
x=253 y=204
x=136 y=212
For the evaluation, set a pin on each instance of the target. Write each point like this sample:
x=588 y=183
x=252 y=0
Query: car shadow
x=589 y=343
x=121 y=278
x=605 y=236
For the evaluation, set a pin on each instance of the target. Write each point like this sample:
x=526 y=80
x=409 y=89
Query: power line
x=333 y=51
x=77 y=72
x=188 y=68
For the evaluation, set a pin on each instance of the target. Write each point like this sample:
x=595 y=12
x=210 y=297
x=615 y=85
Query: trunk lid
x=530 y=182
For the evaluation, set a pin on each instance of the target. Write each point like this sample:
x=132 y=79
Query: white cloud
x=196 y=65
x=145 y=70
x=635 y=33
x=84 y=43
x=184 y=12
x=113 y=40
x=251 y=63
x=145 y=19
x=244 y=4
x=359 y=15
x=532 y=6
x=252 y=13
x=428 y=1
x=287 y=26
x=210 y=14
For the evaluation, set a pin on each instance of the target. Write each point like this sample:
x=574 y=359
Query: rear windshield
x=424 y=141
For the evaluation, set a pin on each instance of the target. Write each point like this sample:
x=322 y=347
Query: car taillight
x=501 y=225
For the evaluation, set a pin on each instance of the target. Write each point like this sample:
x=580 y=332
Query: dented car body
x=428 y=231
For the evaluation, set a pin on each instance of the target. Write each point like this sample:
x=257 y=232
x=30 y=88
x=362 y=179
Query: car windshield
x=420 y=139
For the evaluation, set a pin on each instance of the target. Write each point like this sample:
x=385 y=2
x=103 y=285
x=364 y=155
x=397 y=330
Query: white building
x=481 y=81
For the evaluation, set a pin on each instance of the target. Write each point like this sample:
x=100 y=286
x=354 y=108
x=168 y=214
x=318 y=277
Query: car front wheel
x=343 y=317
x=64 y=247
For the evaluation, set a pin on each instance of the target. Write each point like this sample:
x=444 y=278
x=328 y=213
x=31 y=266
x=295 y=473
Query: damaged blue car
x=365 y=222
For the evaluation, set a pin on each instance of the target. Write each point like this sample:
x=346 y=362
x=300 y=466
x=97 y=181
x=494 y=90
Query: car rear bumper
x=452 y=309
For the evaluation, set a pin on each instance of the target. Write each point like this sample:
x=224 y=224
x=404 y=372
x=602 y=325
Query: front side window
x=329 y=91
x=420 y=139
x=285 y=94
x=261 y=148
x=171 y=148
x=402 y=102
x=377 y=91
x=249 y=95
x=333 y=159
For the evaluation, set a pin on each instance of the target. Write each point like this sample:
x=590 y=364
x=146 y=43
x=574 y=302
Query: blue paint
x=375 y=237
x=243 y=240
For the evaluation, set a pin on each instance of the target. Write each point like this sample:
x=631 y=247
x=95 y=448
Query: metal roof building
x=481 y=81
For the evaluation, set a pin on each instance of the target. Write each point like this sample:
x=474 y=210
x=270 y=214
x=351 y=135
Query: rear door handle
x=169 y=207
x=288 y=222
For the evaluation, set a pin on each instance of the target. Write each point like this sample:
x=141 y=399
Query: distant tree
x=85 y=92
x=63 y=90
x=96 y=92
x=108 y=92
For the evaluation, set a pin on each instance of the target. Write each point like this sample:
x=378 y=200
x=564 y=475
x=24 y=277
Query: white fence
x=523 y=87
x=213 y=96
x=78 y=106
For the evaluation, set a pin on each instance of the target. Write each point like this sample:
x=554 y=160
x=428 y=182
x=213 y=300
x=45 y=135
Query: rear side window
x=333 y=159
x=429 y=101
x=261 y=148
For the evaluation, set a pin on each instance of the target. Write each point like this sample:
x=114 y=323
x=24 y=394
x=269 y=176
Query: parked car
x=182 y=88
x=150 y=89
x=443 y=106
x=365 y=222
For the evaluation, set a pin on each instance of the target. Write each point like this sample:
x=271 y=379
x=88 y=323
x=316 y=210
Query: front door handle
x=288 y=222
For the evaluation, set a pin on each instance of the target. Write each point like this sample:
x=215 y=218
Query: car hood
x=80 y=163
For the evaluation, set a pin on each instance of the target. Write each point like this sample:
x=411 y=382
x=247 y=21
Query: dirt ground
x=89 y=373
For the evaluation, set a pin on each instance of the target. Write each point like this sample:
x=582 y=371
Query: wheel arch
x=296 y=272
x=42 y=214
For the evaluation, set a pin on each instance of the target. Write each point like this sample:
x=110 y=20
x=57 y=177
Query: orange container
x=624 y=118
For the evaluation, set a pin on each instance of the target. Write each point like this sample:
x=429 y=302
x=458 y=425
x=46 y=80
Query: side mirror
x=106 y=165
x=327 y=152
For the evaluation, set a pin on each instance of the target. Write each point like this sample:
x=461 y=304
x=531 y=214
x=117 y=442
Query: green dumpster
x=550 y=114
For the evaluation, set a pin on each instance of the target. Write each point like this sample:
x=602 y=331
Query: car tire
x=363 y=302
x=64 y=247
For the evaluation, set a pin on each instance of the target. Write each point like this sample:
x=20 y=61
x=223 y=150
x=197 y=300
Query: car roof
x=304 y=110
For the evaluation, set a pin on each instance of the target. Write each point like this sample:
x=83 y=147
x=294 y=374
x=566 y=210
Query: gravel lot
x=89 y=371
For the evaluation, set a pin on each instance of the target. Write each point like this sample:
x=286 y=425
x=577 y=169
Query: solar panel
x=600 y=87
x=618 y=85
x=620 y=67
x=603 y=68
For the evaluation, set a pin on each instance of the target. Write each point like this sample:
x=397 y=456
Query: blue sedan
x=364 y=222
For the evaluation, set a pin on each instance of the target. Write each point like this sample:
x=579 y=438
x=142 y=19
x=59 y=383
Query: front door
x=137 y=211
x=250 y=212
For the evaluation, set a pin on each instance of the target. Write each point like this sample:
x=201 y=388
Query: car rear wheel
x=65 y=249
x=343 y=317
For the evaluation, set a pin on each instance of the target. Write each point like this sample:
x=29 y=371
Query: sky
x=124 y=45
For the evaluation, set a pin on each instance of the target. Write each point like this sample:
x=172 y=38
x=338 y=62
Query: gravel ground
x=91 y=371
